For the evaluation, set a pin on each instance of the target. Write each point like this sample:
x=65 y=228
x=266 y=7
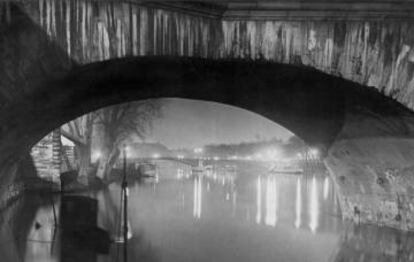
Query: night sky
x=192 y=123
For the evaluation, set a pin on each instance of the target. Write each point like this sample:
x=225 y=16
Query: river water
x=238 y=212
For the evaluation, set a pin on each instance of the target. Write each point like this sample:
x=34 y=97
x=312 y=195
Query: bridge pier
x=374 y=180
x=372 y=172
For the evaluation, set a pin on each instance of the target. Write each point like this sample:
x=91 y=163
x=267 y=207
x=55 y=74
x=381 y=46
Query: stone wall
x=378 y=54
x=373 y=53
x=92 y=31
x=374 y=178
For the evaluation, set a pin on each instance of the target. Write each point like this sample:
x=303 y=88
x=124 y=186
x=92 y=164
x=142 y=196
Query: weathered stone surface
x=26 y=54
x=92 y=31
x=36 y=72
x=359 y=114
x=373 y=53
x=375 y=180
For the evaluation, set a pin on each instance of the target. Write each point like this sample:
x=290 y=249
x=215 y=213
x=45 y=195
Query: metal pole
x=124 y=190
x=54 y=211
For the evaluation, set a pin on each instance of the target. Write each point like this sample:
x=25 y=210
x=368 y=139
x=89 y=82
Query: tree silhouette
x=79 y=131
x=118 y=123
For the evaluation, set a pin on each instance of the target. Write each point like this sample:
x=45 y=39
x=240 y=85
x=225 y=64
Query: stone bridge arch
x=373 y=47
x=367 y=137
x=50 y=46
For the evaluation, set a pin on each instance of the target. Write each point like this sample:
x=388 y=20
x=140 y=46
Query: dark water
x=236 y=213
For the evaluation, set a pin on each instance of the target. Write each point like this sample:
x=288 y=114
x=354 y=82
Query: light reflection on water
x=325 y=188
x=271 y=201
x=259 y=200
x=198 y=193
x=248 y=216
x=314 y=206
x=298 y=202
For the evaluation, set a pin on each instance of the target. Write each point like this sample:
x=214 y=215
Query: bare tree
x=120 y=122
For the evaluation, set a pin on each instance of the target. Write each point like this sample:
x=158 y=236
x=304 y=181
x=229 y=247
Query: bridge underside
x=367 y=138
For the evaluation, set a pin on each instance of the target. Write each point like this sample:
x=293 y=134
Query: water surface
x=238 y=212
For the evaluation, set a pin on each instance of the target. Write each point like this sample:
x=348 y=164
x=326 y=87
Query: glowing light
x=180 y=157
x=216 y=158
x=258 y=156
x=271 y=154
x=326 y=188
x=259 y=201
x=180 y=173
x=198 y=150
x=314 y=206
x=156 y=155
x=298 y=203
x=97 y=155
x=314 y=152
x=127 y=151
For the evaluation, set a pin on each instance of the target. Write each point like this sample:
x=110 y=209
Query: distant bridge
x=186 y=161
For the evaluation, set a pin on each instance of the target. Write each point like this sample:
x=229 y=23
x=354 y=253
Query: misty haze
x=211 y=131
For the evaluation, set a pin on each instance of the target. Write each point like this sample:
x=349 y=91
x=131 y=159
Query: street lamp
x=127 y=151
x=96 y=155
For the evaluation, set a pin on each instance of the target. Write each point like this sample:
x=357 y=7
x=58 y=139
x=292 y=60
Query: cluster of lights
x=310 y=153
x=272 y=154
x=314 y=153
x=269 y=156
x=198 y=150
